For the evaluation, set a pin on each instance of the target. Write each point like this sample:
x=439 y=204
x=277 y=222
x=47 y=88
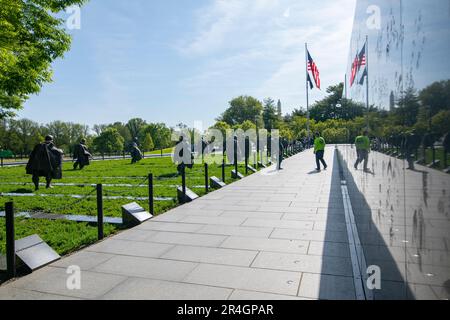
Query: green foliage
x=222 y=127
x=440 y=123
x=31 y=38
x=147 y=143
x=109 y=141
x=161 y=135
x=334 y=106
x=270 y=115
x=436 y=97
x=241 y=109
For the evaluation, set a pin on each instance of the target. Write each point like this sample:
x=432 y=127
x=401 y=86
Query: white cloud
x=251 y=46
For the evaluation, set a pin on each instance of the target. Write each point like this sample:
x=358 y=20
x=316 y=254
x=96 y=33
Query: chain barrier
x=75 y=202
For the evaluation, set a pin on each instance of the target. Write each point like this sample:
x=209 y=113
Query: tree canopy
x=31 y=38
x=241 y=109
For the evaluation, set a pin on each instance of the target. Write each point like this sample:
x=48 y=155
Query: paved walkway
x=273 y=235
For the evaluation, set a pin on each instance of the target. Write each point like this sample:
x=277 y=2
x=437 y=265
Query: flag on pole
x=312 y=67
x=362 y=63
x=309 y=82
x=358 y=63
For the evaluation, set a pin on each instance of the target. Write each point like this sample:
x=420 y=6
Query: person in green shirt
x=319 y=150
x=362 y=144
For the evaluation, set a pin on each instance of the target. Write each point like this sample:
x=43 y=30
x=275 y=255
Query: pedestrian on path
x=362 y=144
x=319 y=151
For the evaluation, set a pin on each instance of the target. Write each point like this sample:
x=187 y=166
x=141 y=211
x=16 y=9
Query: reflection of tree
x=334 y=106
x=407 y=108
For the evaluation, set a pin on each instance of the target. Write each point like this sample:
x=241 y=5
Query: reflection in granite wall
x=402 y=215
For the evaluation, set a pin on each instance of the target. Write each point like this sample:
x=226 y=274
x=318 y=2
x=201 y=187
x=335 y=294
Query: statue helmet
x=49 y=138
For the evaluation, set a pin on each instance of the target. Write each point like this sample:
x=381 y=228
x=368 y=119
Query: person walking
x=45 y=161
x=319 y=151
x=281 y=149
x=81 y=154
x=362 y=144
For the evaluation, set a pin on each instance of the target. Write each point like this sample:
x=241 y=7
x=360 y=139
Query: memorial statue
x=136 y=154
x=280 y=153
x=81 y=154
x=179 y=156
x=45 y=161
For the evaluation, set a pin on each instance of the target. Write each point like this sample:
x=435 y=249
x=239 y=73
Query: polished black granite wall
x=402 y=216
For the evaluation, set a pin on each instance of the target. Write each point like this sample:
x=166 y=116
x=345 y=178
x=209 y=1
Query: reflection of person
x=45 y=161
x=136 y=154
x=362 y=144
x=319 y=151
x=412 y=143
x=281 y=145
x=446 y=145
x=82 y=154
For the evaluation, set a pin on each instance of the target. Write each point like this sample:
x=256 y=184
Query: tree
x=334 y=106
x=123 y=130
x=242 y=108
x=161 y=135
x=31 y=38
x=247 y=125
x=440 y=123
x=136 y=127
x=270 y=116
x=147 y=143
x=109 y=141
x=222 y=127
x=436 y=97
x=407 y=108
x=27 y=133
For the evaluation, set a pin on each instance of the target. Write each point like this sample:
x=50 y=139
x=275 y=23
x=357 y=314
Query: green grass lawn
x=66 y=236
x=167 y=150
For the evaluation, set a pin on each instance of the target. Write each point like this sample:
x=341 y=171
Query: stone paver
x=273 y=235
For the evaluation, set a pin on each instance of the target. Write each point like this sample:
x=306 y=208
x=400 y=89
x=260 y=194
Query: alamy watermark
x=373 y=22
x=73 y=281
x=374 y=278
x=73 y=21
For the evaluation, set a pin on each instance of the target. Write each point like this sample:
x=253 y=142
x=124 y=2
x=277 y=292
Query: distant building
x=279 y=108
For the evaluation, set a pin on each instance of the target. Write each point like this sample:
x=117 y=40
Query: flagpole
x=367 y=81
x=307 y=94
x=345 y=87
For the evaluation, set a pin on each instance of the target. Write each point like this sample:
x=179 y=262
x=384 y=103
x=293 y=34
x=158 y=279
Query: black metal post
x=10 y=241
x=223 y=169
x=100 y=211
x=150 y=194
x=206 y=178
x=183 y=181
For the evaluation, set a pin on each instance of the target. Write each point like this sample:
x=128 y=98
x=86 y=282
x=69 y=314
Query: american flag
x=312 y=67
x=358 y=62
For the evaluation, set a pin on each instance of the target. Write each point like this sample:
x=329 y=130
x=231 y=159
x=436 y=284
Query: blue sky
x=178 y=61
